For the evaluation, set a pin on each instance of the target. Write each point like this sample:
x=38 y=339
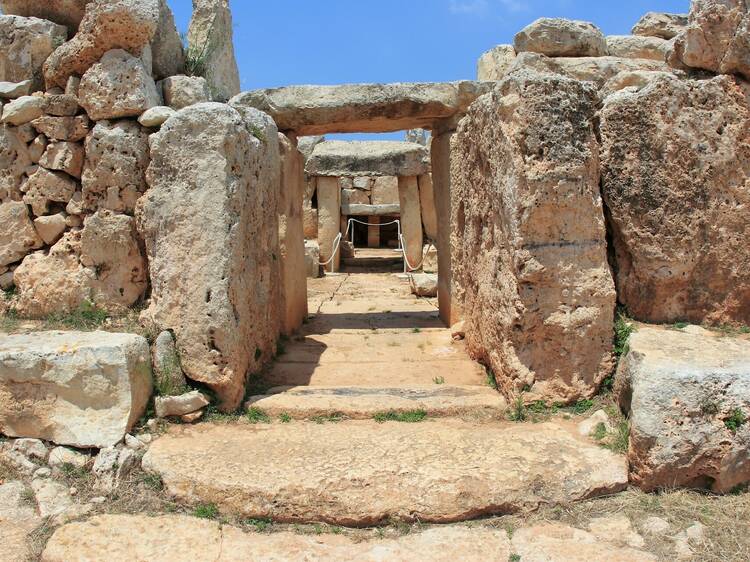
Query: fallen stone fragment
x=111 y=465
x=665 y=26
x=156 y=116
x=687 y=395
x=430 y=471
x=587 y=427
x=192 y=417
x=558 y=37
x=424 y=284
x=117 y=86
x=13 y=90
x=31 y=449
x=61 y=456
x=23 y=110
x=168 y=406
x=41 y=375
x=54 y=501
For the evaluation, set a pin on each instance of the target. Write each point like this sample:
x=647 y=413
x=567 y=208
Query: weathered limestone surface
x=329 y=217
x=12 y=90
x=182 y=91
x=84 y=389
x=167 y=56
x=116 y=24
x=22 y=110
x=291 y=237
x=117 y=155
x=156 y=116
x=50 y=227
x=665 y=26
x=674 y=175
x=368 y=158
x=385 y=190
x=18 y=519
x=25 y=43
x=411 y=220
x=558 y=37
x=638 y=47
x=47 y=186
x=63 y=128
x=117 y=86
x=102 y=264
x=681 y=387
x=438 y=472
x=209 y=223
x=528 y=237
x=210 y=32
x=595 y=69
x=427 y=203
x=717 y=37
x=14 y=160
x=357 y=209
x=423 y=284
x=64 y=12
x=124 y=537
x=18 y=236
x=353 y=108
x=495 y=63
x=63 y=156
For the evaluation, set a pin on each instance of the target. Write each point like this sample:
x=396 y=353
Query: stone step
x=376 y=373
x=305 y=402
x=125 y=538
x=360 y=473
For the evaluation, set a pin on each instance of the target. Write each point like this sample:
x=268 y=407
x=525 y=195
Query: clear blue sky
x=282 y=42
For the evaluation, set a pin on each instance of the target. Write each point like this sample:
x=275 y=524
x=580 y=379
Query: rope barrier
x=406 y=259
x=336 y=243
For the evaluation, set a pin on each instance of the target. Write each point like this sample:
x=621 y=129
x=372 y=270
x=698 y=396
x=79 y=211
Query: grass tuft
x=623 y=329
x=256 y=415
x=206 y=511
x=410 y=416
x=735 y=420
x=439 y=380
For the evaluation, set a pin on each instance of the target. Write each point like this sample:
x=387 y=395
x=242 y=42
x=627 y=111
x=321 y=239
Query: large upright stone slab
x=329 y=217
x=411 y=221
x=25 y=43
x=528 y=238
x=363 y=473
x=210 y=224
x=291 y=236
x=682 y=388
x=211 y=34
x=675 y=182
x=368 y=158
x=370 y=108
x=84 y=389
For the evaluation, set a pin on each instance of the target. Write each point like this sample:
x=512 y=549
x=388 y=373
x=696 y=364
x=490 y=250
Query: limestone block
x=656 y=24
x=423 y=284
x=681 y=387
x=60 y=456
x=411 y=221
x=60 y=105
x=368 y=158
x=595 y=69
x=211 y=32
x=637 y=79
x=306 y=145
x=525 y=175
x=156 y=116
x=170 y=406
x=64 y=12
x=47 y=186
x=430 y=263
x=42 y=380
x=209 y=221
x=25 y=43
x=71 y=129
x=717 y=37
x=63 y=156
x=182 y=91
x=312 y=259
x=50 y=228
x=354 y=197
x=23 y=110
x=637 y=47
x=117 y=24
x=329 y=216
x=291 y=237
x=495 y=63
x=364 y=183
x=13 y=90
x=15 y=158
x=358 y=108
x=18 y=236
x=385 y=191
x=310 y=222
x=355 y=209
x=167 y=55
x=679 y=175
x=101 y=264
x=117 y=86
x=114 y=173
x=427 y=204
x=558 y=37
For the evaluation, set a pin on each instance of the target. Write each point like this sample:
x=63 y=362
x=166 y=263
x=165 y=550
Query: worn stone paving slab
x=363 y=402
x=361 y=472
x=124 y=538
x=376 y=373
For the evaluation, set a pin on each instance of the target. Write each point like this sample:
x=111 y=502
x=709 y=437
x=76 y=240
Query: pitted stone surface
x=368 y=158
x=361 y=473
x=352 y=108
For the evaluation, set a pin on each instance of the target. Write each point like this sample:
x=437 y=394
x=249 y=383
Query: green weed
x=285 y=418
x=735 y=420
x=623 y=329
x=439 y=380
x=206 y=511
x=256 y=415
x=410 y=416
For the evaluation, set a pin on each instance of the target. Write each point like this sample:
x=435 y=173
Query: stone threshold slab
x=305 y=402
x=361 y=473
